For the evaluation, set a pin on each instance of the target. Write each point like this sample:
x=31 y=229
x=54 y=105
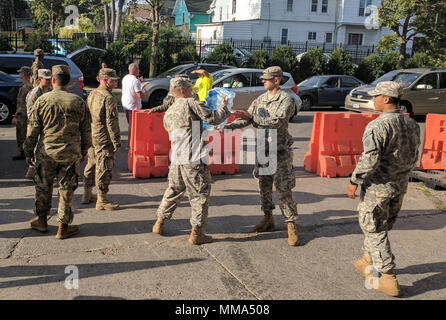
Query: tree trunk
x=112 y=18
x=106 y=22
x=402 y=57
x=51 y=20
x=118 y=19
x=156 y=8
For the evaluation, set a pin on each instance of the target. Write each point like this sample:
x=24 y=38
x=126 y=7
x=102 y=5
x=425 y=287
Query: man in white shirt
x=131 y=94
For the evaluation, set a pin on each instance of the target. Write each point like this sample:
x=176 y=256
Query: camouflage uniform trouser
x=284 y=181
x=377 y=216
x=44 y=173
x=196 y=180
x=20 y=131
x=99 y=170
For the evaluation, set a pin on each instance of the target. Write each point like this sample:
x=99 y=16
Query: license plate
x=356 y=106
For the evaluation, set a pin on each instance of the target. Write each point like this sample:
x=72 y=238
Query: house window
x=184 y=21
x=215 y=34
x=355 y=39
x=329 y=37
x=234 y=6
x=324 y=6
x=284 y=37
x=221 y=13
x=289 y=5
x=312 y=35
x=363 y=4
x=314 y=5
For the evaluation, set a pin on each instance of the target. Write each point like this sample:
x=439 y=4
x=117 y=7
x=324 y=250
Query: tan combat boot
x=66 y=231
x=103 y=204
x=364 y=265
x=30 y=173
x=266 y=224
x=39 y=223
x=293 y=239
x=158 y=226
x=198 y=237
x=88 y=197
x=388 y=284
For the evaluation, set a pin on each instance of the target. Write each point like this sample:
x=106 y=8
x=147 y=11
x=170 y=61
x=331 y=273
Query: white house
x=348 y=22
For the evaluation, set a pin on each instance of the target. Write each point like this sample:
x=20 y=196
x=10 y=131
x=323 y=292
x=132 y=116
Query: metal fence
x=103 y=40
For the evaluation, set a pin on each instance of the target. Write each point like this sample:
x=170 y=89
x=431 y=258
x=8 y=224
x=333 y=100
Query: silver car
x=247 y=85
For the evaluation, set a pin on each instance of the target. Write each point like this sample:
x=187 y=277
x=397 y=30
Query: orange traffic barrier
x=150 y=145
x=434 y=142
x=336 y=143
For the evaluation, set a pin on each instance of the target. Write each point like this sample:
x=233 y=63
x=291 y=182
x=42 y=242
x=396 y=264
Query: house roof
x=142 y=12
x=198 y=6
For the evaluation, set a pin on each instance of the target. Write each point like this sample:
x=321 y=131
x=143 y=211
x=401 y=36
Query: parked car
x=241 y=55
x=158 y=87
x=327 y=90
x=10 y=63
x=326 y=56
x=423 y=91
x=252 y=85
x=9 y=88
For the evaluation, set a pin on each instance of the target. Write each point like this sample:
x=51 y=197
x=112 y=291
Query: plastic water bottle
x=213 y=101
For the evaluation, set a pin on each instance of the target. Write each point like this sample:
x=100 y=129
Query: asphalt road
x=117 y=256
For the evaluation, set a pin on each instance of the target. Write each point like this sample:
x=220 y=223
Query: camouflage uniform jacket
x=168 y=103
x=37 y=64
x=32 y=97
x=271 y=113
x=104 y=120
x=391 y=144
x=21 y=100
x=187 y=115
x=60 y=123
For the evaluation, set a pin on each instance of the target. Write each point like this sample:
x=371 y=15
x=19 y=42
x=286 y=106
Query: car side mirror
x=226 y=85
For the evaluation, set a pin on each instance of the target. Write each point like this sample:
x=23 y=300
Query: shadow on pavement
x=436 y=281
x=44 y=274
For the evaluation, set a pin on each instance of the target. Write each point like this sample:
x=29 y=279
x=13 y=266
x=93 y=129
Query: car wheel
x=406 y=108
x=306 y=103
x=6 y=112
x=156 y=98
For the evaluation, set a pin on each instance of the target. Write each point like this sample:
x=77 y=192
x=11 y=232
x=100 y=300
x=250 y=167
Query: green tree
x=390 y=61
x=370 y=68
x=312 y=63
x=340 y=62
x=4 y=43
x=259 y=59
x=188 y=54
x=38 y=39
x=223 y=53
x=10 y=9
x=421 y=59
x=408 y=18
x=48 y=14
x=285 y=57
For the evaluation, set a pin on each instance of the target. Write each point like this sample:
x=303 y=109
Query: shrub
x=420 y=59
x=4 y=43
x=38 y=39
x=187 y=54
x=370 y=69
x=223 y=53
x=79 y=44
x=340 y=62
x=89 y=62
x=259 y=59
x=117 y=58
x=312 y=63
x=390 y=61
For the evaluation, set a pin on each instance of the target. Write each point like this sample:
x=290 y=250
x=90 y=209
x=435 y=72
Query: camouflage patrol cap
x=272 y=72
x=180 y=81
x=44 y=73
x=61 y=69
x=26 y=70
x=386 y=88
x=38 y=52
x=107 y=73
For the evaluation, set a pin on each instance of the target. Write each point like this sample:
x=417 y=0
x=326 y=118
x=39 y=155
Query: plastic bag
x=213 y=101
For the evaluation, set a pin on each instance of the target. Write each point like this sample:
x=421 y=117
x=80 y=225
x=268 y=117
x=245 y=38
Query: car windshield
x=245 y=52
x=220 y=74
x=171 y=72
x=7 y=76
x=312 y=82
x=405 y=79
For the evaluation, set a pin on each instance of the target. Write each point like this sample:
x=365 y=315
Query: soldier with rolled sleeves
x=37 y=64
x=391 y=144
x=188 y=170
x=106 y=140
x=59 y=132
x=20 y=119
x=44 y=78
x=272 y=111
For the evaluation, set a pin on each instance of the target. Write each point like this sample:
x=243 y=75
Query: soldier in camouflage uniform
x=37 y=64
x=106 y=140
x=273 y=110
x=20 y=119
x=191 y=173
x=391 y=144
x=44 y=78
x=59 y=132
